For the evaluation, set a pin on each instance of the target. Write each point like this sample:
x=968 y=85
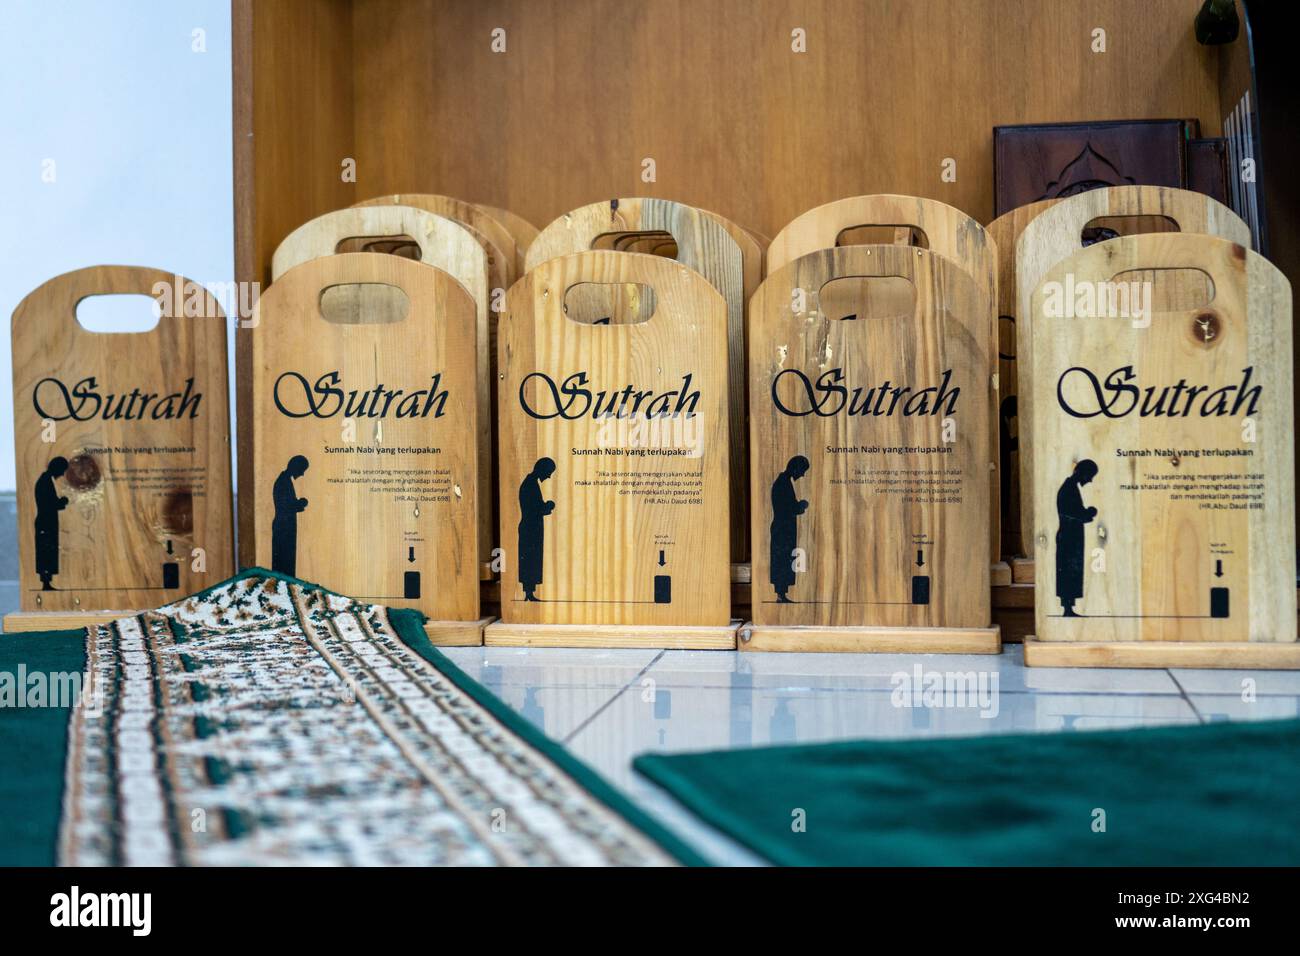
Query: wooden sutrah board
x=436 y=241
x=704 y=243
x=614 y=470
x=869 y=408
x=942 y=229
x=1004 y=231
x=1056 y=233
x=1164 y=491
x=364 y=445
x=495 y=237
x=521 y=230
x=122 y=448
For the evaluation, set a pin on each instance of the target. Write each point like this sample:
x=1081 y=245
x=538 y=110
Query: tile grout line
x=568 y=738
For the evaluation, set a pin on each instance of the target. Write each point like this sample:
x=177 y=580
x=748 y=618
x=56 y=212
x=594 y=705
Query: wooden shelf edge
x=872 y=640
x=701 y=638
x=1240 y=655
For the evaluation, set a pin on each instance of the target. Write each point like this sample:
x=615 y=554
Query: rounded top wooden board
x=1164 y=486
x=365 y=443
x=949 y=232
x=495 y=237
x=122 y=446
x=614 y=456
x=521 y=230
x=869 y=425
x=1057 y=233
x=705 y=244
x=443 y=243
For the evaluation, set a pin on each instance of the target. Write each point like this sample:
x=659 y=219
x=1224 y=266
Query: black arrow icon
x=920 y=558
x=410 y=554
x=661 y=557
x=169 y=545
x=1218 y=568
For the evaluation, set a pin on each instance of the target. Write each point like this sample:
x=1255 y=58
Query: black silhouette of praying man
x=48 y=505
x=284 y=526
x=1069 y=534
x=533 y=508
x=786 y=508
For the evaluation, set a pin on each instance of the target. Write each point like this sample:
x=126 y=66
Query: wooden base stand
x=1022 y=570
x=25 y=622
x=456 y=633
x=873 y=640
x=1237 y=655
x=696 y=638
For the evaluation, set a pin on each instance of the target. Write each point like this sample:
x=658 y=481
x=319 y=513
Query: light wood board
x=521 y=230
x=1004 y=231
x=595 y=557
x=874 y=640
x=400 y=498
x=1162 y=654
x=870 y=510
x=1185 y=532
x=122 y=446
x=704 y=243
x=948 y=232
x=445 y=244
x=685 y=638
x=1056 y=233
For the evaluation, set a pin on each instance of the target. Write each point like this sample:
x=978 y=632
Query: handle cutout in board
x=879 y=298
x=882 y=234
x=655 y=242
x=1103 y=228
x=363 y=303
x=119 y=313
x=407 y=247
x=609 y=303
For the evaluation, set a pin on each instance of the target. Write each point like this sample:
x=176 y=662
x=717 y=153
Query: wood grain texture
x=871 y=509
x=736 y=121
x=1162 y=654
x=597 y=554
x=446 y=245
x=685 y=638
x=26 y=622
x=142 y=423
x=1195 y=524
x=706 y=244
x=1005 y=231
x=873 y=640
x=521 y=230
x=369 y=513
x=948 y=232
x=1056 y=233
x=497 y=240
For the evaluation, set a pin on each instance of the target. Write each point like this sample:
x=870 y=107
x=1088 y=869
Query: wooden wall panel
x=735 y=121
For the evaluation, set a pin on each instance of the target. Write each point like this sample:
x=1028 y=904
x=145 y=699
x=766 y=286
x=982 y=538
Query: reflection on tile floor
x=608 y=706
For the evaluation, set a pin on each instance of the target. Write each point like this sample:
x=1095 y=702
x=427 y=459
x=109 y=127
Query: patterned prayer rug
x=267 y=721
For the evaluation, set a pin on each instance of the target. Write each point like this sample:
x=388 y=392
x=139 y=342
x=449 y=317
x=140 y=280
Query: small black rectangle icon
x=411 y=586
x=663 y=589
x=171 y=576
x=1218 y=602
x=920 y=589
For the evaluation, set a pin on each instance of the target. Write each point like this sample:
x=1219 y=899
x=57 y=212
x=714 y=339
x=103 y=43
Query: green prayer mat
x=268 y=721
x=1217 y=795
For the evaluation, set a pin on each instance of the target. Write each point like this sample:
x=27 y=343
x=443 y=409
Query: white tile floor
x=607 y=706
